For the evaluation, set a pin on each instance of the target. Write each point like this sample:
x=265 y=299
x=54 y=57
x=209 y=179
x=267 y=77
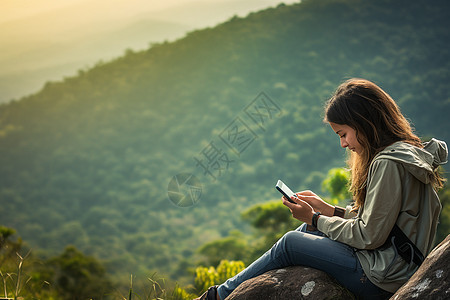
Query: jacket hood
x=420 y=162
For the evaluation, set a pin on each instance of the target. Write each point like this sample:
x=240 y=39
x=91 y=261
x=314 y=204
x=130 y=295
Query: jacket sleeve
x=371 y=227
x=349 y=213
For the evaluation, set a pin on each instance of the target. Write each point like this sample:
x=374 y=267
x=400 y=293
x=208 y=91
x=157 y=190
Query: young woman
x=394 y=179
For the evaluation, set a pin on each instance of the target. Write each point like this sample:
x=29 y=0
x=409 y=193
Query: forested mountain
x=89 y=160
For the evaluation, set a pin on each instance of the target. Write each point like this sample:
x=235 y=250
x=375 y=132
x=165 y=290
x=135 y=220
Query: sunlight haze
x=47 y=40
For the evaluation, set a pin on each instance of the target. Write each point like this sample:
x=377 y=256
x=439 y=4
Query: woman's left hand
x=301 y=211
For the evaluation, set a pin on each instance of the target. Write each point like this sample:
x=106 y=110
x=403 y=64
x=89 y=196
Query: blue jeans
x=311 y=249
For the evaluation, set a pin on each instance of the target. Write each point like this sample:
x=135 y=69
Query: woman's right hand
x=316 y=202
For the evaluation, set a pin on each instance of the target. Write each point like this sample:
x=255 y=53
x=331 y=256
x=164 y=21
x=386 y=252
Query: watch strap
x=314 y=219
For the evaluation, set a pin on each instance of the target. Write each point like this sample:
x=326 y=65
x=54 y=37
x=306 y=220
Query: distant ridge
x=54 y=43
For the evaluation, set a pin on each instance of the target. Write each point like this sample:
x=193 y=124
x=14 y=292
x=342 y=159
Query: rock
x=431 y=280
x=295 y=282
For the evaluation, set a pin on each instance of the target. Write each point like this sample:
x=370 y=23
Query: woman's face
x=347 y=136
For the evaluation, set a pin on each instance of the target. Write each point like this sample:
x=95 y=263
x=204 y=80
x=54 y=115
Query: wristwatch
x=314 y=219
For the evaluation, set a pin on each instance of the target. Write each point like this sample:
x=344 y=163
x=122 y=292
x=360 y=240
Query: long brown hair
x=378 y=123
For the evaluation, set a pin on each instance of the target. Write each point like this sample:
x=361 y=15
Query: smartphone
x=285 y=190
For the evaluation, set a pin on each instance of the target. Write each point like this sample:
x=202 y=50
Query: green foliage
x=156 y=289
x=444 y=219
x=70 y=275
x=8 y=247
x=336 y=183
x=77 y=276
x=209 y=276
x=232 y=247
x=181 y=294
x=87 y=160
x=11 y=264
x=22 y=276
x=13 y=283
x=271 y=219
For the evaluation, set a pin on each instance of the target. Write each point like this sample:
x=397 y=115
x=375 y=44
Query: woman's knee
x=302 y=228
x=280 y=251
x=289 y=239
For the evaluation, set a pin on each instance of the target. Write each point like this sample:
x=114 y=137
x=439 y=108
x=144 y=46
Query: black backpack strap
x=405 y=248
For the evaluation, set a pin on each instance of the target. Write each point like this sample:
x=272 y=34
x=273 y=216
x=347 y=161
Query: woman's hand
x=316 y=203
x=301 y=211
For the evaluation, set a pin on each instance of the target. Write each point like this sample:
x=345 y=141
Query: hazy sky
x=18 y=9
x=44 y=40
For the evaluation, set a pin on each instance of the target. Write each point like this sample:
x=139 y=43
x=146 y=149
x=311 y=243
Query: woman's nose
x=344 y=143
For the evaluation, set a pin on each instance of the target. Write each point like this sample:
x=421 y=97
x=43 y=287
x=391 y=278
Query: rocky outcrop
x=431 y=281
x=291 y=283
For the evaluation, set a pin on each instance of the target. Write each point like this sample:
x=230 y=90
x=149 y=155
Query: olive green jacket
x=398 y=191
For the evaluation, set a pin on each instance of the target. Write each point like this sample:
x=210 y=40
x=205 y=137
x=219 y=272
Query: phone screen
x=285 y=190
